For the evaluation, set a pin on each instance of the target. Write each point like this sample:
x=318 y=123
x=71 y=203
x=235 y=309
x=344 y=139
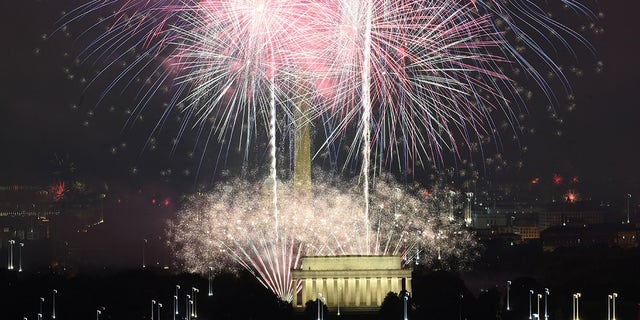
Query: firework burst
x=233 y=226
x=409 y=80
x=423 y=77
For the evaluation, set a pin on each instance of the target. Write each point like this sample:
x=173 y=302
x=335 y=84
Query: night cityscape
x=320 y=159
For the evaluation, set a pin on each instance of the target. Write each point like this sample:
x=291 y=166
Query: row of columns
x=350 y=292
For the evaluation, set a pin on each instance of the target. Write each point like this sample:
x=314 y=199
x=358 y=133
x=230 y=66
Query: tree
x=391 y=308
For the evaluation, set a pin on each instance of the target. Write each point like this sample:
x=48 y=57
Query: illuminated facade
x=350 y=282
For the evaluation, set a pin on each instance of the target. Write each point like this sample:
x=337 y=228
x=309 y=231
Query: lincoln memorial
x=350 y=282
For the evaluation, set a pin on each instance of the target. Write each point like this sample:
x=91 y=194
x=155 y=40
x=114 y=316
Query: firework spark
x=429 y=73
x=408 y=79
x=232 y=226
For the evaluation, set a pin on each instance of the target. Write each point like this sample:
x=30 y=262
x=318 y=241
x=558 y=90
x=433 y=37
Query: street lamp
x=405 y=298
x=546 y=304
x=508 y=289
x=194 y=292
x=54 y=303
x=20 y=256
x=187 y=302
x=319 y=303
x=460 y=307
x=339 y=298
x=628 y=208
x=159 y=306
x=576 y=309
x=10 y=251
x=530 y=315
x=153 y=305
x=210 y=281
x=41 y=301
x=144 y=244
x=98 y=313
x=613 y=304
x=539 y=296
x=324 y=303
x=175 y=302
x=609 y=298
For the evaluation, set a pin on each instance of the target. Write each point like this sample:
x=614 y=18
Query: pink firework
x=425 y=74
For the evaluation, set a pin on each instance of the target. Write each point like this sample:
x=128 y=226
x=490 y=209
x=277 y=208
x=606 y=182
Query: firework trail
x=435 y=69
x=407 y=69
x=233 y=226
x=425 y=76
x=418 y=78
x=415 y=79
x=230 y=50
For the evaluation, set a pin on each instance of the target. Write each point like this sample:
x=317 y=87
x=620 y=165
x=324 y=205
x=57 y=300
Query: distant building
x=527 y=221
x=482 y=220
x=599 y=235
x=577 y=214
x=25 y=213
x=527 y=232
x=505 y=234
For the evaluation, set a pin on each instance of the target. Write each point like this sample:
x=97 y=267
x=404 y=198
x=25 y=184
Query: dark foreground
x=477 y=295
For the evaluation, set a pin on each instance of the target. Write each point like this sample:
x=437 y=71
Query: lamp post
x=628 y=208
x=613 y=306
x=339 y=298
x=576 y=309
x=539 y=296
x=508 y=289
x=41 y=301
x=53 y=315
x=175 y=302
x=324 y=303
x=187 y=313
x=609 y=298
x=319 y=303
x=546 y=303
x=194 y=293
x=153 y=306
x=530 y=314
x=405 y=298
x=10 y=259
x=98 y=313
x=460 y=307
x=20 y=256
x=210 y=281
x=144 y=244
x=159 y=307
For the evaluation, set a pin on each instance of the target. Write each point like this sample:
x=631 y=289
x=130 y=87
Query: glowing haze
x=233 y=225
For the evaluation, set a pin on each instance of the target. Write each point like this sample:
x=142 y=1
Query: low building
x=527 y=232
x=598 y=235
x=579 y=214
x=350 y=282
x=25 y=213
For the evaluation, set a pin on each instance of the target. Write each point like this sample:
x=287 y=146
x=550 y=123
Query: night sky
x=44 y=113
